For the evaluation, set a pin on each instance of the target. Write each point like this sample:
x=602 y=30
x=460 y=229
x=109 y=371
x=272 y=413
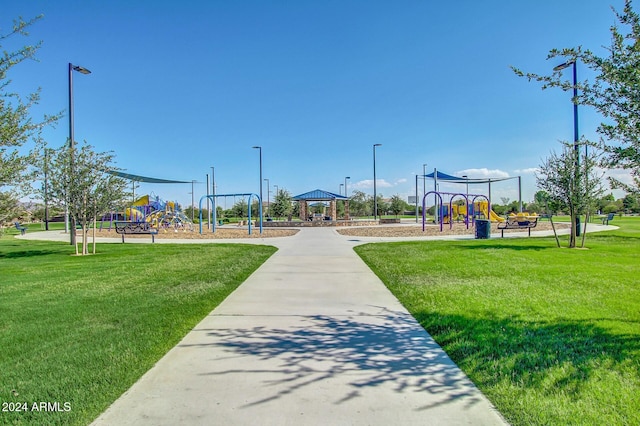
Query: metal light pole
x=260 y=149
x=208 y=207
x=576 y=136
x=466 y=178
x=46 y=193
x=424 y=179
x=417 y=198
x=70 y=221
x=375 y=194
x=192 y=201
x=346 y=194
x=268 y=199
x=213 y=192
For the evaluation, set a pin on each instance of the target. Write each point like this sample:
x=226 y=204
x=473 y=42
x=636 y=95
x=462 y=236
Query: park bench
x=136 y=228
x=607 y=218
x=20 y=228
x=518 y=222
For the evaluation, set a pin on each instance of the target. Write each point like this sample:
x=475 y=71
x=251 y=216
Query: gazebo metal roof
x=319 y=195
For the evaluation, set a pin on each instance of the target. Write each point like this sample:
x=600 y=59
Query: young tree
x=281 y=206
x=615 y=93
x=604 y=201
x=88 y=190
x=630 y=203
x=9 y=209
x=382 y=205
x=359 y=204
x=570 y=185
x=240 y=208
x=16 y=125
x=541 y=198
x=397 y=205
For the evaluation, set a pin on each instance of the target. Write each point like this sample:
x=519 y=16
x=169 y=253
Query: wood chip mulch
x=432 y=230
x=356 y=231
x=220 y=234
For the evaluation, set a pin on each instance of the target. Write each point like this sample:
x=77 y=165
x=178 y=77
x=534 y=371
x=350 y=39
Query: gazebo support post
x=303 y=210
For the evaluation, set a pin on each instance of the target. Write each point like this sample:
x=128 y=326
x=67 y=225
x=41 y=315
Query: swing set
x=213 y=198
x=475 y=206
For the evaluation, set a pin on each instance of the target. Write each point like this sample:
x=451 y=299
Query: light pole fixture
x=70 y=221
x=260 y=149
x=268 y=199
x=340 y=188
x=346 y=194
x=576 y=136
x=375 y=193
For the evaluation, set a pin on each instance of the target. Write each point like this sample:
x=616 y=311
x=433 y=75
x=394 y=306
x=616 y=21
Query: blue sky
x=178 y=87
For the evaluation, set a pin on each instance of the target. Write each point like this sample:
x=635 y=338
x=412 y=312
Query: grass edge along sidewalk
x=76 y=332
x=549 y=335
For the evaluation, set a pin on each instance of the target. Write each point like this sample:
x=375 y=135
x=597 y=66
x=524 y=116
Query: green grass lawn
x=82 y=330
x=551 y=336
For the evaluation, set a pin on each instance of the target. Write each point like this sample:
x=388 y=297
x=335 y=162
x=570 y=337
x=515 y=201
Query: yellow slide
x=493 y=217
x=142 y=201
x=133 y=214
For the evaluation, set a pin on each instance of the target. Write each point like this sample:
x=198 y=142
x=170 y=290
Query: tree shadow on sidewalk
x=358 y=352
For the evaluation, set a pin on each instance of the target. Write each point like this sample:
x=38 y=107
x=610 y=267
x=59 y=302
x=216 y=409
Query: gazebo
x=323 y=196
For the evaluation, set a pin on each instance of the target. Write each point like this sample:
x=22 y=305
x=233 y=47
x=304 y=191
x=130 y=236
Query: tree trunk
x=85 y=234
x=572 y=240
x=584 y=231
x=555 y=234
x=75 y=240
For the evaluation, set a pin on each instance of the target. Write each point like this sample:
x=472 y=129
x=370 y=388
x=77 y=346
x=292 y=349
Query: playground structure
x=458 y=212
x=159 y=214
x=475 y=206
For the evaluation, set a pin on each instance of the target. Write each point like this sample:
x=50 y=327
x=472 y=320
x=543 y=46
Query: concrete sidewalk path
x=313 y=337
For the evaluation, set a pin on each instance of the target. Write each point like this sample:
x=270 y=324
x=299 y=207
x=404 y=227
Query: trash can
x=483 y=229
x=577 y=226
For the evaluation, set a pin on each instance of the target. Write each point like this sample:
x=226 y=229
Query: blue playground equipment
x=213 y=203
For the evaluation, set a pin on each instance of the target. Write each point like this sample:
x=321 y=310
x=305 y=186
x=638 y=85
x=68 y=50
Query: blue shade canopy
x=444 y=176
x=448 y=178
x=319 y=195
x=138 y=178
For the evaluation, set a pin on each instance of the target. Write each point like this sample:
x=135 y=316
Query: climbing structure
x=164 y=216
